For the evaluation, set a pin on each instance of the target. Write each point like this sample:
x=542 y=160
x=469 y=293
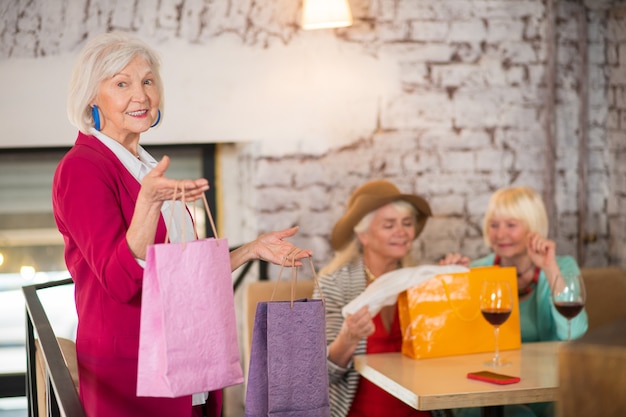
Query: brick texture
x=464 y=118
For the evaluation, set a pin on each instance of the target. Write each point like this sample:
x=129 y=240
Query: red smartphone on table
x=493 y=377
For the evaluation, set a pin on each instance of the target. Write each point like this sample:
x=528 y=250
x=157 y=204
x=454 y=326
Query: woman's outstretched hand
x=157 y=188
x=271 y=247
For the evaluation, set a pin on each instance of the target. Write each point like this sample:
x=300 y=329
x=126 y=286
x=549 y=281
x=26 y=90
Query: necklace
x=521 y=274
x=369 y=277
x=533 y=283
x=368 y=274
x=530 y=287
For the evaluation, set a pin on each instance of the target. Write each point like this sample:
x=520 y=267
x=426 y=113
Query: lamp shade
x=324 y=14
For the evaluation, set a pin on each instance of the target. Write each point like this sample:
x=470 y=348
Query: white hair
x=102 y=58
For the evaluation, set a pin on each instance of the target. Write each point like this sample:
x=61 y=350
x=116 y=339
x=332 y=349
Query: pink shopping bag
x=188 y=335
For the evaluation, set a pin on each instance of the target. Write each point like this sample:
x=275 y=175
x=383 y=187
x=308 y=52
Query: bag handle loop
x=169 y=221
x=206 y=207
x=454 y=308
x=294 y=276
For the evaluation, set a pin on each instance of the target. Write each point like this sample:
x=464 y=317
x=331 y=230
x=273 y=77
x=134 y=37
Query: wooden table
x=440 y=383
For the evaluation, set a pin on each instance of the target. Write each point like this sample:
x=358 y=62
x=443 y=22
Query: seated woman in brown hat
x=374 y=236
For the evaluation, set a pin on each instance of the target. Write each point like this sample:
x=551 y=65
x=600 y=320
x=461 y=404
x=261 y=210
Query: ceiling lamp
x=326 y=14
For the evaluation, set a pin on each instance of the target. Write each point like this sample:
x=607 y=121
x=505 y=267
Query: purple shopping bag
x=188 y=334
x=288 y=374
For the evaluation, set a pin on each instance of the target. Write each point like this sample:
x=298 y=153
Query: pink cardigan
x=93 y=198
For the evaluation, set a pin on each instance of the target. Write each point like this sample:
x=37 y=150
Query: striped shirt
x=339 y=288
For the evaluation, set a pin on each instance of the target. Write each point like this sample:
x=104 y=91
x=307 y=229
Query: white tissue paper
x=385 y=289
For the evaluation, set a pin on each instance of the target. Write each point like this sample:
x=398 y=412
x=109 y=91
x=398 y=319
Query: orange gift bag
x=442 y=317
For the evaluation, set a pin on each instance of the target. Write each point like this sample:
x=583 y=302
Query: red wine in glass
x=569 y=309
x=569 y=295
x=496 y=304
x=496 y=317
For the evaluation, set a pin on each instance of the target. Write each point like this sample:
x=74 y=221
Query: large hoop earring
x=96 y=117
x=158 y=118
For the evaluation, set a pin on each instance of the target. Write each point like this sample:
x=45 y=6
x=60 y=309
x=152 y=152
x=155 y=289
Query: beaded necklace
x=533 y=283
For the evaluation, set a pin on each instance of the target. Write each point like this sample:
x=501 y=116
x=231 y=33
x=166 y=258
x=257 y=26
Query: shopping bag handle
x=456 y=310
x=206 y=207
x=208 y=212
x=294 y=276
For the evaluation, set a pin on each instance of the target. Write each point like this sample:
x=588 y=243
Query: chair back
x=606 y=295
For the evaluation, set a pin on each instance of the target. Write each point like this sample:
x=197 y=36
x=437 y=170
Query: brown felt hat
x=369 y=197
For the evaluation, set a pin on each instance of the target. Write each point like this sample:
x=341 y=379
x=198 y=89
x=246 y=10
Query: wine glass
x=569 y=297
x=496 y=304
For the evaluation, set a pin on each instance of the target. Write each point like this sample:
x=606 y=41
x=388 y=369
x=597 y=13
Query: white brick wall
x=474 y=123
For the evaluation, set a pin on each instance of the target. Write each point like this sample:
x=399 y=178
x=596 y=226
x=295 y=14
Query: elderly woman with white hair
x=374 y=236
x=110 y=198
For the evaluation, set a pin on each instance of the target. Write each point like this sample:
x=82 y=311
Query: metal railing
x=61 y=395
x=263 y=274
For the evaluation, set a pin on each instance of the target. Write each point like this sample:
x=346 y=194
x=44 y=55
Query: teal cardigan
x=539 y=319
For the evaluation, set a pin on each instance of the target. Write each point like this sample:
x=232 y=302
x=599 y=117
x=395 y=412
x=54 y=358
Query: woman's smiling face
x=390 y=234
x=128 y=101
x=507 y=236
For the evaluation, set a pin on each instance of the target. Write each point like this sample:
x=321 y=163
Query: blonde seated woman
x=515 y=228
